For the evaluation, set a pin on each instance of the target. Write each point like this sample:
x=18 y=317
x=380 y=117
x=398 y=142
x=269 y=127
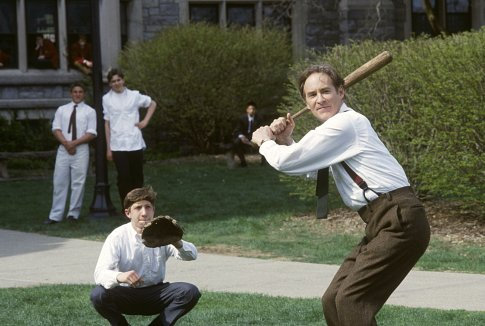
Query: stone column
x=135 y=21
x=222 y=14
x=62 y=34
x=344 y=21
x=259 y=14
x=22 y=35
x=298 y=25
x=477 y=13
x=184 y=12
x=110 y=27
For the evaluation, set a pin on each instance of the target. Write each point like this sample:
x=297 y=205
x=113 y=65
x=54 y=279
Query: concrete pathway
x=28 y=259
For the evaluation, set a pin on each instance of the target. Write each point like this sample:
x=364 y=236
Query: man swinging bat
x=369 y=180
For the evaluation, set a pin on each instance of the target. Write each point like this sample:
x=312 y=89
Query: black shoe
x=49 y=222
x=71 y=218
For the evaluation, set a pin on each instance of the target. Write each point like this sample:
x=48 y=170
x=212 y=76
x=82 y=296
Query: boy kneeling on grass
x=129 y=276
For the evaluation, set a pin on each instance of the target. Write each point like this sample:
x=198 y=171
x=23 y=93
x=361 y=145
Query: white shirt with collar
x=124 y=251
x=85 y=120
x=122 y=112
x=347 y=136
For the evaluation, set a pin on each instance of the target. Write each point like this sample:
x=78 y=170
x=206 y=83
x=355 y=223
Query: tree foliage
x=202 y=76
x=427 y=106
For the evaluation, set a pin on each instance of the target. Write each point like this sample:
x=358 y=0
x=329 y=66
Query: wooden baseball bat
x=360 y=73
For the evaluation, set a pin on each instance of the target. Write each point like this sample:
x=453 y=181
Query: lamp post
x=101 y=206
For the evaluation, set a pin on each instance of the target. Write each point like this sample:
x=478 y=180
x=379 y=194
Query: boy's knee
x=192 y=293
x=98 y=296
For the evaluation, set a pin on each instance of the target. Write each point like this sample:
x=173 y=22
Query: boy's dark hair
x=77 y=84
x=113 y=72
x=324 y=69
x=139 y=194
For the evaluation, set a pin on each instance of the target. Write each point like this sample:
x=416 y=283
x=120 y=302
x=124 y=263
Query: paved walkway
x=28 y=259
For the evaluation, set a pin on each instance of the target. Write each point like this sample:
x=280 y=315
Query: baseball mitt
x=161 y=231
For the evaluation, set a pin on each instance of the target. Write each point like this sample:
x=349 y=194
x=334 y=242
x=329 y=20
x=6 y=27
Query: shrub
x=427 y=106
x=26 y=135
x=202 y=76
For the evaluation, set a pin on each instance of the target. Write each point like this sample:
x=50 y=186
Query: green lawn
x=243 y=211
x=70 y=305
x=246 y=211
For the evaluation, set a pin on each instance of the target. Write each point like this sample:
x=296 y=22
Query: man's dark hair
x=113 y=72
x=324 y=69
x=77 y=84
x=251 y=103
x=139 y=194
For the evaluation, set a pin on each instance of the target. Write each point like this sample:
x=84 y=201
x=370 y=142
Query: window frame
x=258 y=9
x=13 y=53
x=23 y=46
x=446 y=16
x=208 y=5
x=30 y=37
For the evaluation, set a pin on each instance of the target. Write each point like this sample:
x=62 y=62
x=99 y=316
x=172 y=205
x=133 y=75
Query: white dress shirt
x=122 y=112
x=123 y=251
x=85 y=120
x=347 y=136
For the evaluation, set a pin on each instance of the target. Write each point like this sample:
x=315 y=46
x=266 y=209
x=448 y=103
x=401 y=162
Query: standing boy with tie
x=74 y=126
x=243 y=133
x=369 y=179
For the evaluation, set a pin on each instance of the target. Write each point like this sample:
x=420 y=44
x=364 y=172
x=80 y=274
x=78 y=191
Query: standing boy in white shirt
x=369 y=180
x=74 y=126
x=124 y=140
x=129 y=275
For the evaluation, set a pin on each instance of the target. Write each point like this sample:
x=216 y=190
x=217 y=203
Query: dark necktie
x=322 y=193
x=72 y=123
x=250 y=122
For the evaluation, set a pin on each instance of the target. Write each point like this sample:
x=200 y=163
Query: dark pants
x=396 y=235
x=169 y=300
x=130 y=171
x=239 y=148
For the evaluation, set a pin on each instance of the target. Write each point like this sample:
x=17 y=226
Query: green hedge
x=26 y=135
x=202 y=77
x=427 y=106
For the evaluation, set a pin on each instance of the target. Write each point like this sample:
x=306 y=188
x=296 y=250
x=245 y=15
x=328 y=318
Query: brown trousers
x=396 y=235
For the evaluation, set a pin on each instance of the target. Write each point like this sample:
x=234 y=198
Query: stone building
x=32 y=88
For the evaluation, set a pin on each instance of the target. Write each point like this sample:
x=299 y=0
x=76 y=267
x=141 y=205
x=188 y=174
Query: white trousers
x=69 y=170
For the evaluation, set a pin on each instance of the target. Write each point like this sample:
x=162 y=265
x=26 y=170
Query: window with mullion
x=78 y=18
x=458 y=17
x=42 y=34
x=277 y=14
x=8 y=35
x=457 y=14
x=205 y=12
x=240 y=14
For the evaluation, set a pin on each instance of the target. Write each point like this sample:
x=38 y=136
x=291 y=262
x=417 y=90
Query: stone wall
x=370 y=20
x=34 y=96
x=331 y=22
x=322 y=29
x=157 y=15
